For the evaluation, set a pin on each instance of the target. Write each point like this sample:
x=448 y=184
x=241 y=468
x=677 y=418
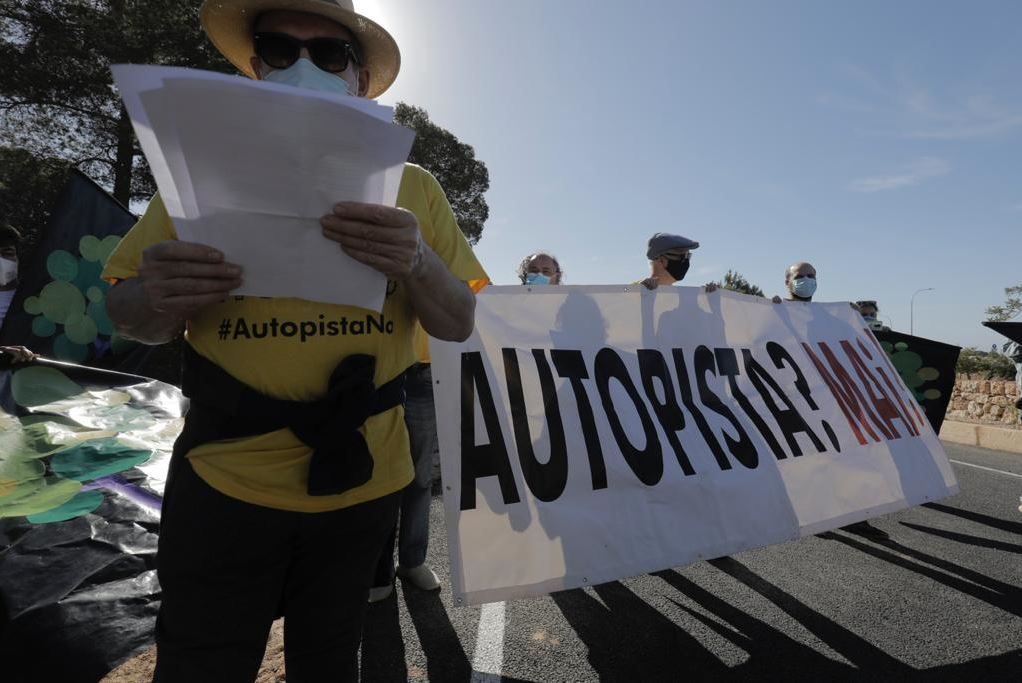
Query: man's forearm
x=133 y=317
x=444 y=304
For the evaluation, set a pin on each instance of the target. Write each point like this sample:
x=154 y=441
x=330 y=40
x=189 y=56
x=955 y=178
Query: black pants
x=228 y=569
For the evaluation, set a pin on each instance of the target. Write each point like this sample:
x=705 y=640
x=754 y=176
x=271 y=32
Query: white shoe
x=378 y=593
x=422 y=577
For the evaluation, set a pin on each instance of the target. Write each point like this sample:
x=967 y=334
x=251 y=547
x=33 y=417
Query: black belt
x=223 y=407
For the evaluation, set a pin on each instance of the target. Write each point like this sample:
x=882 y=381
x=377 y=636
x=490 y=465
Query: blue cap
x=665 y=241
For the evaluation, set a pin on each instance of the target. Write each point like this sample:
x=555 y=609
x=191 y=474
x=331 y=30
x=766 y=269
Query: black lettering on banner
x=288 y=329
x=703 y=362
x=685 y=388
x=652 y=366
x=372 y=321
x=571 y=365
x=357 y=327
x=886 y=408
x=647 y=463
x=745 y=450
x=273 y=327
x=333 y=328
x=488 y=459
x=545 y=480
x=308 y=329
x=788 y=419
x=260 y=330
x=241 y=329
x=780 y=356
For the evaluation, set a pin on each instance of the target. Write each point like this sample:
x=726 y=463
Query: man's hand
x=182 y=278
x=384 y=238
x=651 y=283
x=776 y=299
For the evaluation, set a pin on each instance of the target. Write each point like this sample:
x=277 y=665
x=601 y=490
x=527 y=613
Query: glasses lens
x=277 y=50
x=329 y=54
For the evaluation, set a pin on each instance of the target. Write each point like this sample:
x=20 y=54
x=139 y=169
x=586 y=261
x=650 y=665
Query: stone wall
x=991 y=401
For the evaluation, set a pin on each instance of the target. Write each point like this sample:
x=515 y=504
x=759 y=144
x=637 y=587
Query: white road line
x=488 y=658
x=988 y=469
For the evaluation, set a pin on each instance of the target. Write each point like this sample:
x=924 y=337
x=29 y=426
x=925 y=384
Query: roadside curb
x=983 y=436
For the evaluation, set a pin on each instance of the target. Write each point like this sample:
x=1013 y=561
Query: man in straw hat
x=286 y=478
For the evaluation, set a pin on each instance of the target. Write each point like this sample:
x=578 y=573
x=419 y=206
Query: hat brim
x=231 y=23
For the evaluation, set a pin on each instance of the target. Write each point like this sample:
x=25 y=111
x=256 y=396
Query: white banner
x=589 y=434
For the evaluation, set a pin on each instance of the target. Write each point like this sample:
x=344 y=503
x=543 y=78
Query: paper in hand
x=249 y=167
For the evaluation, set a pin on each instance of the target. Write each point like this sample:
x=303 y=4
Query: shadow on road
x=968 y=539
x=629 y=640
x=383 y=649
x=980 y=586
x=996 y=523
x=866 y=657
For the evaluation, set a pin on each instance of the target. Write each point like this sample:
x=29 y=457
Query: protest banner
x=593 y=433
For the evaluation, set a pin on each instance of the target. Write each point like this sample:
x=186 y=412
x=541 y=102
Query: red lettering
x=845 y=392
x=885 y=407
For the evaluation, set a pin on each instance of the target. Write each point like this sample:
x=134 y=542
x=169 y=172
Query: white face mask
x=8 y=271
x=305 y=74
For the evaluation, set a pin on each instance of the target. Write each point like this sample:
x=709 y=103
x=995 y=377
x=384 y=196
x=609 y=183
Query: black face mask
x=678 y=268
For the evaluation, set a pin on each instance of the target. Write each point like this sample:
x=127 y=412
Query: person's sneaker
x=379 y=593
x=866 y=530
x=422 y=577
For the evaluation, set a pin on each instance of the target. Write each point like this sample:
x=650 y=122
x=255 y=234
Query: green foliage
x=464 y=178
x=58 y=100
x=29 y=186
x=989 y=365
x=1011 y=308
x=736 y=282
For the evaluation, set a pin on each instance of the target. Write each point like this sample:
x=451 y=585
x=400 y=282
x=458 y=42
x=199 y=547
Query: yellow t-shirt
x=286 y=348
x=421 y=345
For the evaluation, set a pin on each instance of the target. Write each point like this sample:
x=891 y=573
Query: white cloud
x=913 y=111
x=912 y=174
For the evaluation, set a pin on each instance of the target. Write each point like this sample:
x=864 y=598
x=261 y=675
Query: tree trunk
x=125 y=158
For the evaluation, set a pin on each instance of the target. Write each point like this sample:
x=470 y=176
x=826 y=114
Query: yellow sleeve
x=154 y=226
x=447 y=240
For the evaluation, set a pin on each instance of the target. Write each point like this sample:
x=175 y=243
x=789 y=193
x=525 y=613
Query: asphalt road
x=941 y=600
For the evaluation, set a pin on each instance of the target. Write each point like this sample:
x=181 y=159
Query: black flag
x=59 y=309
x=927 y=367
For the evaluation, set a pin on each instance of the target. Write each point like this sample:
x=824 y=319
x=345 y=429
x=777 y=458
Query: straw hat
x=230 y=24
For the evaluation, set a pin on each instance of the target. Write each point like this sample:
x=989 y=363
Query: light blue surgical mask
x=305 y=74
x=804 y=287
x=536 y=279
x=869 y=318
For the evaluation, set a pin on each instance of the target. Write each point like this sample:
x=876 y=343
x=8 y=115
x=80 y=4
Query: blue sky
x=880 y=141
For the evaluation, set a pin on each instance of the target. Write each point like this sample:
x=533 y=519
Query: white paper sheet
x=249 y=167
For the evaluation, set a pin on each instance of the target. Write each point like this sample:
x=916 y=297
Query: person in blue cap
x=669 y=259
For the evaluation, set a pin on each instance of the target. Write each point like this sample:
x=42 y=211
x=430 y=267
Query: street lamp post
x=911 y=309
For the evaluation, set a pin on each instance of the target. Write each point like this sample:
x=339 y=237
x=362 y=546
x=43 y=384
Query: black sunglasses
x=280 y=51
